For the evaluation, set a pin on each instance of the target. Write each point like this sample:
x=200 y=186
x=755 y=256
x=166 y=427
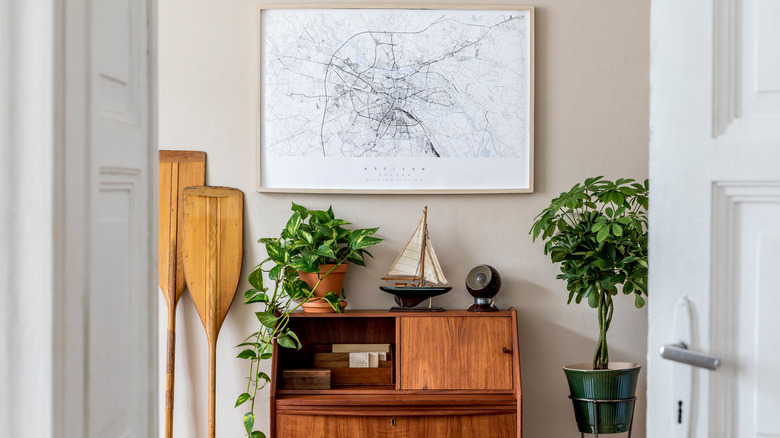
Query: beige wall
x=592 y=64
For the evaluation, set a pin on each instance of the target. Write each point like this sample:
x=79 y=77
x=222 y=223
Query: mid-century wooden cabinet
x=454 y=374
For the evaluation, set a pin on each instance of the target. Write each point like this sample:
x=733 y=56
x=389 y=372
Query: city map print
x=395 y=84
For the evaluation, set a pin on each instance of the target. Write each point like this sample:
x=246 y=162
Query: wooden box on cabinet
x=455 y=374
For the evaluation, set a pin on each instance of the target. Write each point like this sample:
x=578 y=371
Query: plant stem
x=601 y=357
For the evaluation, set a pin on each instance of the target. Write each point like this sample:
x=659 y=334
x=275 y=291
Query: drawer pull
x=506 y=350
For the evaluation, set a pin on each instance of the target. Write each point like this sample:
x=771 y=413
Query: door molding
x=742 y=99
x=725 y=65
x=727 y=199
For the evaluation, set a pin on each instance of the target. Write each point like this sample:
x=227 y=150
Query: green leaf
x=248 y=344
x=602 y=234
x=255 y=296
x=557 y=256
x=319 y=216
x=275 y=252
x=593 y=296
x=639 y=302
x=617 y=230
x=274 y=273
x=285 y=341
x=301 y=265
x=301 y=210
x=257 y=434
x=357 y=258
x=297 y=289
x=241 y=399
x=256 y=278
x=267 y=319
x=363 y=232
x=597 y=226
x=247 y=354
x=249 y=422
x=334 y=300
x=326 y=251
x=291 y=229
x=306 y=236
x=266 y=355
x=364 y=242
x=311 y=258
x=295 y=338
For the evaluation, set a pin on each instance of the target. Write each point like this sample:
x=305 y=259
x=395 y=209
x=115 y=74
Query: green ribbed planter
x=618 y=382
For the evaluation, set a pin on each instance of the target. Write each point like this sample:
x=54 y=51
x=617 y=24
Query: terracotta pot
x=332 y=282
x=320 y=306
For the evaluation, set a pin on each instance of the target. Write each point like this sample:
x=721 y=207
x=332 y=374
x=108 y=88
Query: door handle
x=680 y=353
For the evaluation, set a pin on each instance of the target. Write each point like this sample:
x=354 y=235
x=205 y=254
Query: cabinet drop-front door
x=458 y=426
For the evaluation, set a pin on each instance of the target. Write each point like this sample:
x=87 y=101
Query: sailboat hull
x=408 y=297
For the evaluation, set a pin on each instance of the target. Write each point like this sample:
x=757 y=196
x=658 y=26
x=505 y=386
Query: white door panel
x=109 y=377
x=121 y=330
x=715 y=214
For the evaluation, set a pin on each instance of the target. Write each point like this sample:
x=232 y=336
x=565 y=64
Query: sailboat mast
x=424 y=242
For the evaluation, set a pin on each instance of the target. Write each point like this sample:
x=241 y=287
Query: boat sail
x=417 y=263
x=418 y=260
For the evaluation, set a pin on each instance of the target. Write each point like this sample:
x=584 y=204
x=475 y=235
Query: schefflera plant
x=309 y=239
x=597 y=231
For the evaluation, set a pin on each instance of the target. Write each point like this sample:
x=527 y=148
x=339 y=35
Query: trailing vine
x=310 y=238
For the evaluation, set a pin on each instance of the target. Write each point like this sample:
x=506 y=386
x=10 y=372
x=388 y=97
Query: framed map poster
x=394 y=100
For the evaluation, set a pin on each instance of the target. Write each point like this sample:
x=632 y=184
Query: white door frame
x=47 y=220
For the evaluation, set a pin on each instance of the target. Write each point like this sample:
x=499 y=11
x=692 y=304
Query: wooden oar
x=178 y=169
x=213 y=247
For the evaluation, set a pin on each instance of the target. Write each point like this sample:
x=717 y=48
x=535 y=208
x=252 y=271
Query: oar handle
x=169 y=370
x=173 y=232
x=212 y=294
x=212 y=387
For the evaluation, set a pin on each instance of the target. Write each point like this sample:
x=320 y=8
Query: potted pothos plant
x=597 y=231
x=312 y=241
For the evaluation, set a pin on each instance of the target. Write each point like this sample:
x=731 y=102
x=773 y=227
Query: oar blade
x=177 y=170
x=213 y=223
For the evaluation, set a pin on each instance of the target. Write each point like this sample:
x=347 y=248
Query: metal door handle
x=680 y=353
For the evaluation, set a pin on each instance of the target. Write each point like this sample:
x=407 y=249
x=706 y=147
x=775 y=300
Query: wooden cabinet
x=454 y=374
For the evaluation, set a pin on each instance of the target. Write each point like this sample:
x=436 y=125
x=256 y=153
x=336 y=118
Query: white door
x=715 y=217
x=107 y=342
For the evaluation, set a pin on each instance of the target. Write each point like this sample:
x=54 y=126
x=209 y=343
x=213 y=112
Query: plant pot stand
x=596 y=404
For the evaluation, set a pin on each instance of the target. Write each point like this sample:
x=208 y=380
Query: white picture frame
x=381 y=99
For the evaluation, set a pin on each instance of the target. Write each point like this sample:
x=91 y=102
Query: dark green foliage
x=597 y=231
x=309 y=239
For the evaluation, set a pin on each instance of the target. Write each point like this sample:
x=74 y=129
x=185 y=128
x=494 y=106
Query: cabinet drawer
x=456 y=353
x=454 y=426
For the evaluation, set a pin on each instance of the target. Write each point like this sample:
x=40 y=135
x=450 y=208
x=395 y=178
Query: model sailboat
x=417 y=264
